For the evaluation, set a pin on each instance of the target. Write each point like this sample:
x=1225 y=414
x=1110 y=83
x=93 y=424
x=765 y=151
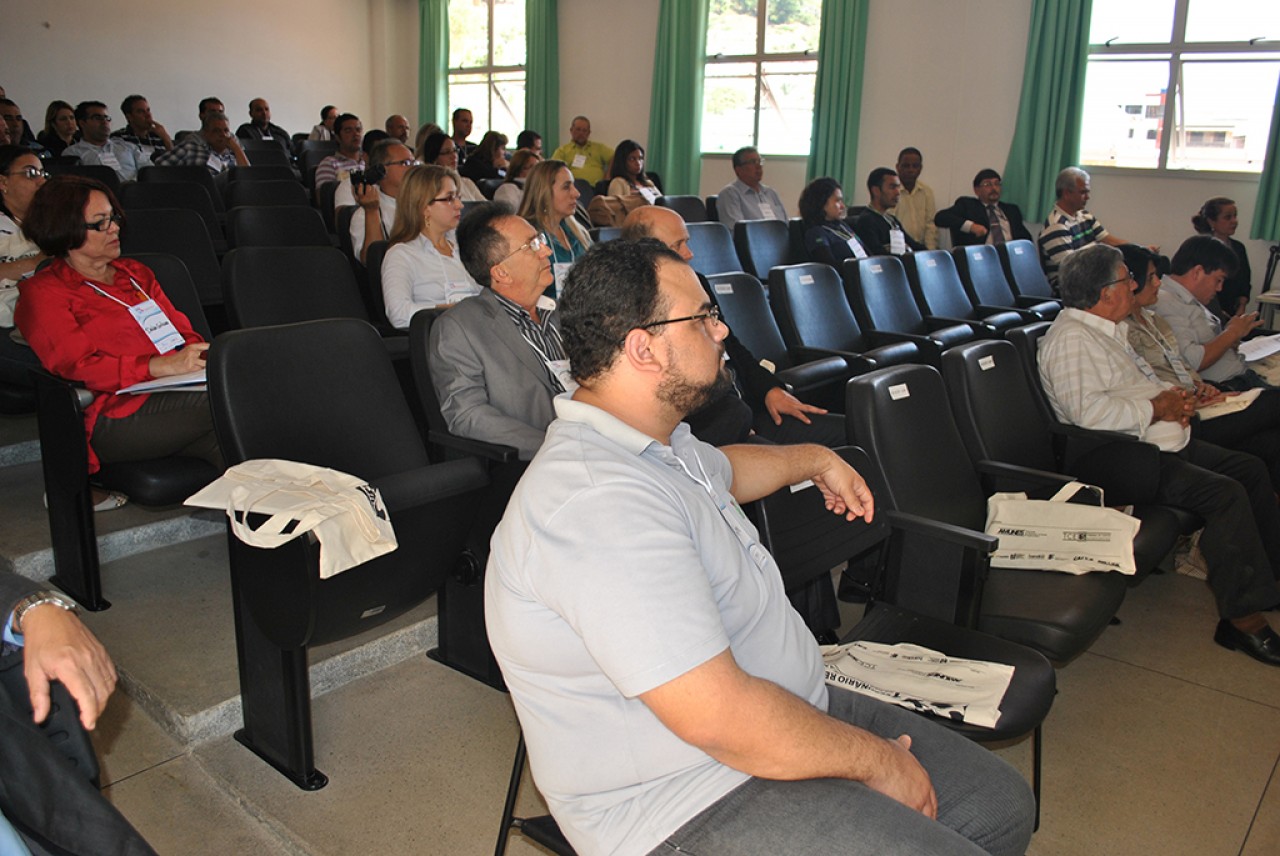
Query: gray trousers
x=169 y=424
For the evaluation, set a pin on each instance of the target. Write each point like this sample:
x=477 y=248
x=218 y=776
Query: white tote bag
x=345 y=514
x=1056 y=535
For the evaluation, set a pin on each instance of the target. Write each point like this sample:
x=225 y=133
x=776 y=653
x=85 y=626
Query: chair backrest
x=181 y=233
x=901 y=417
x=175 y=279
x=173 y=194
x=314 y=151
x=373 y=270
x=1021 y=262
x=690 y=208
x=936 y=284
x=712 y=213
x=983 y=278
x=600 y=234
x=242 y=194
x=995 y=407
x=712 y=248
x=419 y=356
x=283 y=285
x=321 y=392
x=96 y=171
x=254 y=172
x=276 y=226
x=342 y=223
x=194 y=173
x=809 y=303
x=1026 y=341
x=880 y=295
x=745 y=308
x=762 y=245
x=269 y=155
x=325 y=194
x=489 y=186
x=585 y=191
x=795 y=240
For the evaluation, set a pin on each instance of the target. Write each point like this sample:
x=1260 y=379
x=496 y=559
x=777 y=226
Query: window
x=1195 y=79
x=759 y=75
x=486 y=63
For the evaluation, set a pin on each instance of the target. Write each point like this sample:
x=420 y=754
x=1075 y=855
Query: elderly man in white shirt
x=748 y=198
x=1095 y=380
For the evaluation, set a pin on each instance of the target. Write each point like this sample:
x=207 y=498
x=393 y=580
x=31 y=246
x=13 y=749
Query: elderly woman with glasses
x=422 y=268
x=103 y=321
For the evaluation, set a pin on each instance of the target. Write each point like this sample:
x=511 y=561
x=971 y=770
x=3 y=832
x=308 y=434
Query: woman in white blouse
x=422 y=268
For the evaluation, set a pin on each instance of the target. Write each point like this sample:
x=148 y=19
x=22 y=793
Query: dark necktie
x=997 y=231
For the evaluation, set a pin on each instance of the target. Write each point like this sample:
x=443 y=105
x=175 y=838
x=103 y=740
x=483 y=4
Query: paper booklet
x=189 y=382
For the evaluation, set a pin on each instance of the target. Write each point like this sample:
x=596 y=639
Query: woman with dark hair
x=439 y=149
x=1219 y=217
x=100 y=320
x=324 y=131
x=21 y=175
x=1256 y=429
x=628 y=175
x=828 y=239
x=511 y=191
x=59 y=127
x=489 y=160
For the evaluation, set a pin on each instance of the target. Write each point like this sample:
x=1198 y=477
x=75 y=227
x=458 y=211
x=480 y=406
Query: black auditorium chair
x=489 y=186
x=96 y=171
x=273 y=392
x=276 y=226
x=690 y=208
x=194 y=173
x=324 y=202
x=795 y=240
x=940 y=294
x=600 y=234
x=342 y=225
x=762 y=245
x=712 y=248
x=542 y=829
x=270 y=172
x=712 y=213
x=984 y=281
x=242 y=194
x=463 y=642
x=137 y=195
x=1021 y=262
x=745 y=309
x=178 y=232
x=377 y=305
x=269 y=155
x=901 y=417
x=64 y=454
x=910 y=553
x=882 y=302
x=994 y=407
x=585 y=191
x=816 y=321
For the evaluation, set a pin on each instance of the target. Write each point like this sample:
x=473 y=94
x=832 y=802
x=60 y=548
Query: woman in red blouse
x=103 y=321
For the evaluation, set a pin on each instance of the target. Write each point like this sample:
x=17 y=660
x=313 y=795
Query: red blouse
x=82 y=336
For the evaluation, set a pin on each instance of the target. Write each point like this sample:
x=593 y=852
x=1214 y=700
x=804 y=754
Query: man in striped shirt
x=1069 y=226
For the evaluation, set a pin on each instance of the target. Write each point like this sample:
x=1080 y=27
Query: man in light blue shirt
x=748 y=198
x=97 y=146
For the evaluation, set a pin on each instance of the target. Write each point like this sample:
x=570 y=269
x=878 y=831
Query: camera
x=360 y=178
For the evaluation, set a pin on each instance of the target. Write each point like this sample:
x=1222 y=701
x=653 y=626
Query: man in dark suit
x=260 y=126
x=983 y=218
x=881 y=232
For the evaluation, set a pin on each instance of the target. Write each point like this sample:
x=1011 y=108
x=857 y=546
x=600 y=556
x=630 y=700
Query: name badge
x=766 y=211
x=560 y=368
x=579 y=161
x=156 y=325
x=560 y=270
x=856 y=246
x=897 y=242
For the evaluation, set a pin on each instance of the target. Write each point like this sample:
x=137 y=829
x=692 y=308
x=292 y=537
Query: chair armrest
x=930 y=349
x=980 y=328
x=416 y=487
x=1001 y=476
x=814 y=372
x=895 y=354
x=913 y=524
x=479 y=448
x=857 y=363
x=937 y=568
x=1025 y=314
x=1035 y=303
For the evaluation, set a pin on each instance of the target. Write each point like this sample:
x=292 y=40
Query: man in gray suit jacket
x=496 y=359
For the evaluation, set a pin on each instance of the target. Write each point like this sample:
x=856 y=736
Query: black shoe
x=1263 y=647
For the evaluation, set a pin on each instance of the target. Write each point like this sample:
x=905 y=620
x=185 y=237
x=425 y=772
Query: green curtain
x=1266 y=215
x=837 y=93
x=433 y=63
x=1046 y=137
x=674 y=147
x=542 y=69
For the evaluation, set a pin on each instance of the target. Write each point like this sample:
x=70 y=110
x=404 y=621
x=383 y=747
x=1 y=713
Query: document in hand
x=190 y=382
x=1252 y=350
x=1230 y=404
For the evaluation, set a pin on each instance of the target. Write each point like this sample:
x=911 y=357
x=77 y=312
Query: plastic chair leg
x=75 y=546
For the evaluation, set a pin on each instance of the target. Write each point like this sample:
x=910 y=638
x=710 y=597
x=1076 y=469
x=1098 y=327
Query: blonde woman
x=422 y=268
x=550 y=202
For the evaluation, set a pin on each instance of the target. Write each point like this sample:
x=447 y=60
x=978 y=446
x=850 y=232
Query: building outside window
x=487 y=63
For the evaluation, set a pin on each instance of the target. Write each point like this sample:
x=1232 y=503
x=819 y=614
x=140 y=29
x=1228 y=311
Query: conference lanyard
x=150 y=317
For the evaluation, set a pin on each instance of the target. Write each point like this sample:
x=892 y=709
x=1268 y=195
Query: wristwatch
x=40 y=598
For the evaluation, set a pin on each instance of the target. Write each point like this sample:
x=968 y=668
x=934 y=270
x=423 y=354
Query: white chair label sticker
x=806 y=279
x=796 y=488
x=930 y=263
x=899 y=391
x=724 y=288
x=987 y=363
x=877 y=268
x=1017 y=251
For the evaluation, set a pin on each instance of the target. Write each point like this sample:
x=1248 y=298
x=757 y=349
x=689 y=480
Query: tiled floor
x=1159 y=742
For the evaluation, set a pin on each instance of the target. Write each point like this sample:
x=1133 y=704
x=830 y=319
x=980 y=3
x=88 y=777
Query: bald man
x=260 y=127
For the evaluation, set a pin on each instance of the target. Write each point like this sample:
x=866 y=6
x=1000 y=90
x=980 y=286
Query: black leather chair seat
x=159 y=481
x=1056 y=614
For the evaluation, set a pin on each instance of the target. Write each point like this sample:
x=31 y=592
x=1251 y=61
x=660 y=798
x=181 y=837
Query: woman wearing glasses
x=422 y=268
x=549 y=204
x=100 y=320
x=439 y=149
x=21 y=175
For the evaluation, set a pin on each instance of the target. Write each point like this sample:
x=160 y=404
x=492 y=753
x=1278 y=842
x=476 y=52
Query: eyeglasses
x=990 y=182
x=105 y=223
x=712 y=314
x=535 y=245
x=98 y=117
x=1128 y=277
x=31 y=172
x=406 y=162
x=448 y=198
x=753 y=162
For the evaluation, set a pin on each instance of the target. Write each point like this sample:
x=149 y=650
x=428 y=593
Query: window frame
x=1177 y=52
x=492 y=74
x=760 y=58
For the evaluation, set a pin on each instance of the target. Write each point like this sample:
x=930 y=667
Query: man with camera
x=374 y=189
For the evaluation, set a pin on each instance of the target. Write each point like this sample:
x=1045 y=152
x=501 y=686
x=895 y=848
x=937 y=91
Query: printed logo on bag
x=1069 y=535
x=371 y=495
x=1019 y=533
